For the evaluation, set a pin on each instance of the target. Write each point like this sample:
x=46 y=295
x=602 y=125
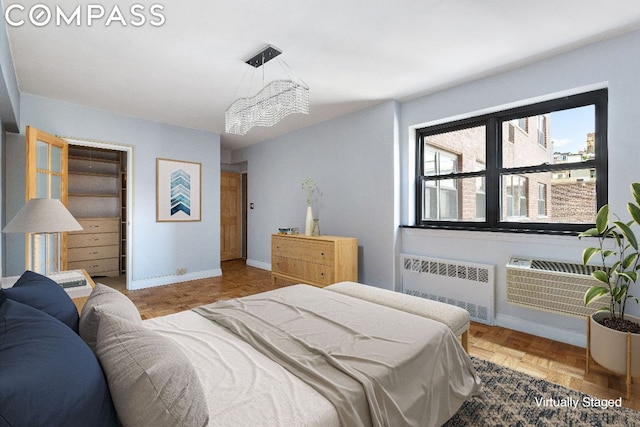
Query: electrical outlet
x=181 y=271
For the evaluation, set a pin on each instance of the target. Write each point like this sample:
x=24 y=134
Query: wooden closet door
x=47 y=177
x=230 y=216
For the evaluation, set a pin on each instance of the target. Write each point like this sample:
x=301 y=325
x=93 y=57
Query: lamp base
x=45 y=253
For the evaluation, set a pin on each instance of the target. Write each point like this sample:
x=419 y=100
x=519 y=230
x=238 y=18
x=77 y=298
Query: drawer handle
x=94 y=253
x=94 y=226
x=93 y=240
x=94 y=266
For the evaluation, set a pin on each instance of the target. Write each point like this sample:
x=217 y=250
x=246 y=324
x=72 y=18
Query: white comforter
x=243 y=387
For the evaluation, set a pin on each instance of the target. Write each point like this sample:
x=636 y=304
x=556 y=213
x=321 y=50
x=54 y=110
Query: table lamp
x=43 y=220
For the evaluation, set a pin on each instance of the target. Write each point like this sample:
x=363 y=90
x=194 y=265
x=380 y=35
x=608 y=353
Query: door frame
x=83 y=142
x=32 y=136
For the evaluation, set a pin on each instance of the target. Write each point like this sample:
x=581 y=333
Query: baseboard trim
x=171 y=279
x=258 y=264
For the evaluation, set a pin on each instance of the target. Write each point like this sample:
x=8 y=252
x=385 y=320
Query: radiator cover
x=553 y=286
x=464 y=284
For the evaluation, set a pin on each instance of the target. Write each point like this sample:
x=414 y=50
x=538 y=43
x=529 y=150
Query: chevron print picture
x=180 y=192
x=178 y=186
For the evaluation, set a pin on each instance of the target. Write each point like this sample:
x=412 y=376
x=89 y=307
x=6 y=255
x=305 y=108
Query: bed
x=296 y=356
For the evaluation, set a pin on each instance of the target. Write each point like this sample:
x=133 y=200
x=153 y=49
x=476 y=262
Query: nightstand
x=78 y=294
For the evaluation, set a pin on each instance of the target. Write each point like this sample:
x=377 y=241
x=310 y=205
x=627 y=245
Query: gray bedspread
x=378 y=366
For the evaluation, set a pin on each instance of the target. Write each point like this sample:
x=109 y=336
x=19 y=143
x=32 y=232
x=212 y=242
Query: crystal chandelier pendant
x=274 y=102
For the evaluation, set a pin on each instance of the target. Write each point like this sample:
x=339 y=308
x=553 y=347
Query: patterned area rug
x=511 y=398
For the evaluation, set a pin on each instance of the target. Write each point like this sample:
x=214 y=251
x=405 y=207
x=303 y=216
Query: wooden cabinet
x=318 y=261
x=95 y=249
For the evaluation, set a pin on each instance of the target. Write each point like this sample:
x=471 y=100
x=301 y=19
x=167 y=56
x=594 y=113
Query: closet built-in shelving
x=97 y=198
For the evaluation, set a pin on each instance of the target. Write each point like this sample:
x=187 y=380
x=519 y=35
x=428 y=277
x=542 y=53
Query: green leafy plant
x=618 y=267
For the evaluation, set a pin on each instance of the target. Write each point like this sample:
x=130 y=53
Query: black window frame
x=494 y=168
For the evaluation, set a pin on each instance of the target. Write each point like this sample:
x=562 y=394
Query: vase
x=316 y=227
x=308 y=225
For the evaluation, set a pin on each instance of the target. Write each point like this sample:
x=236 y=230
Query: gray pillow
x=110 y=301
x=151 y=380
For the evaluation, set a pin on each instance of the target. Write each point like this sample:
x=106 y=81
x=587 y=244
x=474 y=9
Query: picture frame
x=178 y=190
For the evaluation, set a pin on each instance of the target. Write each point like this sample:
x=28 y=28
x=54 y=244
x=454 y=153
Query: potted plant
x=613 y=335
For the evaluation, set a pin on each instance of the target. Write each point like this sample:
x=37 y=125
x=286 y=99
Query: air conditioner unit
x=553 y=286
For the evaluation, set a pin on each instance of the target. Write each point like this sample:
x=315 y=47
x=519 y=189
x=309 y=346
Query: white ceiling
x=351 y=53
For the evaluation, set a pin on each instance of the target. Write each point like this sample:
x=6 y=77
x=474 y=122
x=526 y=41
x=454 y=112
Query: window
x=481 y=194
x=515 y=196
x=542 y=199
x=478 y=173
x=441 y=197
x=542 y=131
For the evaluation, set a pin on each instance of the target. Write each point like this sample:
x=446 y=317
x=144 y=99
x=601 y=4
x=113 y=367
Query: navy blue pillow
x=49 y=376
x=40 y=292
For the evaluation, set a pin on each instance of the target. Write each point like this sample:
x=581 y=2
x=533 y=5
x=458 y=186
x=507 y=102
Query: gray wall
x=351 y=160
x=613 y=63
x=159 y=248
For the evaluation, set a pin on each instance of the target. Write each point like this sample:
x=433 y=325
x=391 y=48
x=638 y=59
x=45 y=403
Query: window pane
x=454 y=200
x=542 y=200
x=42 y=185
x=56 y=187
x=466 y=149
x=56 y=159
x=430 y=207
x=566 y=136
x=448 y=204
x=546 y=197
x=42 y=155
x=429 y=161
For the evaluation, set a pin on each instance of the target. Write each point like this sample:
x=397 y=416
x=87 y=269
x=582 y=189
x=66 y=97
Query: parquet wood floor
x=542 y=358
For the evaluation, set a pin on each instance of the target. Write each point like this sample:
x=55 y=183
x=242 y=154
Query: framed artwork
x=178 y=190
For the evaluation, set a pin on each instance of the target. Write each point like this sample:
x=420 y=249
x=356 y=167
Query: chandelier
x=272 y=103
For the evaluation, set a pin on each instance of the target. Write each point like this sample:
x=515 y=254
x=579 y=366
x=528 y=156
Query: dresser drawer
x=92 y=252
x=307 y=272
x=98 y=225
x=92 y=239
x=316 y=260
x=306 y=250
x=95 y=267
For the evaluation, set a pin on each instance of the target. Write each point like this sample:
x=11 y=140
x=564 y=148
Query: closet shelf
x=92 y=195
x=95 y=159
x=101 y=175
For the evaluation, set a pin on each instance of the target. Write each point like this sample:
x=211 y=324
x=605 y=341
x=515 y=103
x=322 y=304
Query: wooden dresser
x=315 y=260
x=95 y=249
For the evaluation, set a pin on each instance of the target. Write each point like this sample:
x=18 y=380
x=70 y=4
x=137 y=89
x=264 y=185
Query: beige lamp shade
x=42 y=216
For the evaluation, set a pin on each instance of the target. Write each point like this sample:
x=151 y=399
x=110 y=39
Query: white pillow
x=151 y=380
x=109 y=300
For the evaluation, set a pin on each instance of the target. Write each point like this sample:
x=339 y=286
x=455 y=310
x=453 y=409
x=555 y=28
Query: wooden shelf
x=93 y=195
x=100 y=175
x=95 y=159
